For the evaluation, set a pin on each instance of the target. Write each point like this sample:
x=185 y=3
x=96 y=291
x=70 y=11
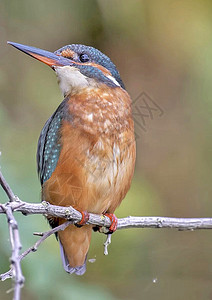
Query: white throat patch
x=70 y=78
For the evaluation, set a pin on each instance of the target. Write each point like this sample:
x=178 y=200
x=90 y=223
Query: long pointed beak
x=44 y=56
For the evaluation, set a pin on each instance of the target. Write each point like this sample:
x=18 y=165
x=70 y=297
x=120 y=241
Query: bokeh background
x=163 y=50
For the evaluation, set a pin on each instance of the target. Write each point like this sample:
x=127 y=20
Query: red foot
x=85 y=218
x=114 y=222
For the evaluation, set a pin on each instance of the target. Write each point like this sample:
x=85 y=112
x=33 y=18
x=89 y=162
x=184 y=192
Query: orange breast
x=97 y=158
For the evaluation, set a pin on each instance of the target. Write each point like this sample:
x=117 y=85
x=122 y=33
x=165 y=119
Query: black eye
x=84 y=57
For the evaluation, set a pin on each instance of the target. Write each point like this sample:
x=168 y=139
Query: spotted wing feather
x=49 y=146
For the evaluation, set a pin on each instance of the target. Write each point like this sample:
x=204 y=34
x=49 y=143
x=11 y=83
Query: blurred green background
x=163 y=50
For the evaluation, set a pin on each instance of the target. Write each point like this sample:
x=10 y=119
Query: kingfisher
x=86 y=150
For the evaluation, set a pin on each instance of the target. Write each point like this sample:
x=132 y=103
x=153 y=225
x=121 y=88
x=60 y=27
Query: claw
x=114 y=222
x=84 y=220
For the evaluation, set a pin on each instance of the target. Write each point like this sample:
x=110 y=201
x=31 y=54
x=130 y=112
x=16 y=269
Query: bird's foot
x=84 y=220
x=114 y=222
x=113 y=225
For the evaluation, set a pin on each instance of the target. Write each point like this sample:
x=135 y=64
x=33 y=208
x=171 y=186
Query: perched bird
x=86 y=149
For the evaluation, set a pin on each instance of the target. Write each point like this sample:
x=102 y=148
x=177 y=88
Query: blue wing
x=49 y=146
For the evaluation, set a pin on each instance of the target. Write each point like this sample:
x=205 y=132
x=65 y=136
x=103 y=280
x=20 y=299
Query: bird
x=86 y=149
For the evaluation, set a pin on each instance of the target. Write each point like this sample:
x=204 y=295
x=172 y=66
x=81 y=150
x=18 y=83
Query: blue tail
x=77 y=270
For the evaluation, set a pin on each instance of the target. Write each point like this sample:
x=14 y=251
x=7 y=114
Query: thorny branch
x=16 y=247
x=73 y=216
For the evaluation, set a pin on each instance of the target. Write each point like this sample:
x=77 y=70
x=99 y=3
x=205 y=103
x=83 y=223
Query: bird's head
x=77 y=66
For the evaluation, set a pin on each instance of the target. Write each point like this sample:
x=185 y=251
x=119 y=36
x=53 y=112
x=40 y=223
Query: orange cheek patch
x=101 y=68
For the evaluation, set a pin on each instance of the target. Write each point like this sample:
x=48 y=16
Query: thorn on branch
x=6 y=275
x=38 y=233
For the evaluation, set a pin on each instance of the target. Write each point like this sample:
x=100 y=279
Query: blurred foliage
x=162 y=48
